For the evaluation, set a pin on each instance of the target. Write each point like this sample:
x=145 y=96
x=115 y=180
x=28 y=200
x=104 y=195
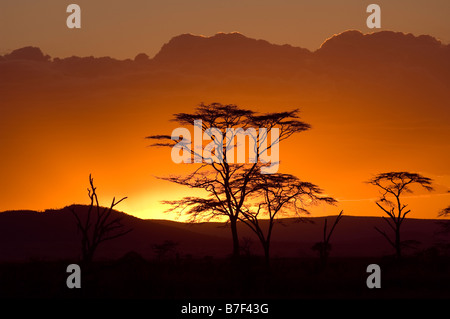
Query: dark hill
x=53 y=234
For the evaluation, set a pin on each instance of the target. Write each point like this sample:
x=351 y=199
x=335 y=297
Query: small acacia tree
x=444 y=224
x=168 y=247
x=275 y=195
x=98 y=225
x=392 y=186
x=445 y=212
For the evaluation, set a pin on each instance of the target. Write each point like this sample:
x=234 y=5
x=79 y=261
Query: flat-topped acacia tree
x=445 y=212
x=392 y=186
x=445 y=224
x=225 y=181
x=276 y=195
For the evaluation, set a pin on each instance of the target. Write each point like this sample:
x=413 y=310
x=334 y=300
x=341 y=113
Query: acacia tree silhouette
x=275 y=195
x=226 y=183
x=166 y=248
x=445 y=212
x=445 y=224
x=324 y=246
x=99 y=226
x=395 y=184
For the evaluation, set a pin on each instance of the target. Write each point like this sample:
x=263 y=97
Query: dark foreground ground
x=133 y=277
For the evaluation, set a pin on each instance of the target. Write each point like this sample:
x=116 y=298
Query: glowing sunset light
x=75 y=103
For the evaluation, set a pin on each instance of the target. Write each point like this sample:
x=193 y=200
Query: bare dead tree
x=392 y=186
x=225 y=182
x=278 y=195
x=98 y=225
x=324 y=247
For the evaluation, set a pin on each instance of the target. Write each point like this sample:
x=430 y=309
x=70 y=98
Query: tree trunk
x=324 y=254
x=266 y=246
x=88 y=256
x=234 y=234
x=398 y=248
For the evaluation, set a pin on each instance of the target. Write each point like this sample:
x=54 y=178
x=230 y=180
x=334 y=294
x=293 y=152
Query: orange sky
x=54 y=135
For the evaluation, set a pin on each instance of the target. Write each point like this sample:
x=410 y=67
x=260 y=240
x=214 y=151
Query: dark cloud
x=386 y=47
x=228 y=52
x=28 y=53
x=141 y=57
x=233 y=53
